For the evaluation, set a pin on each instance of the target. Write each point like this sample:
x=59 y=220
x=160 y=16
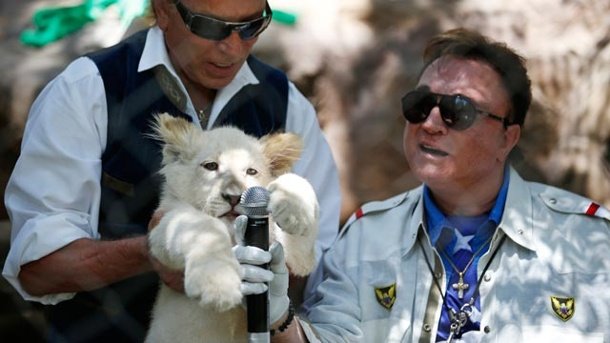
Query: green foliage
x=54 y=23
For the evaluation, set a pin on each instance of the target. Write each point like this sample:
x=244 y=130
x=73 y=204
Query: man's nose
x=232 y=45
x=434 y=122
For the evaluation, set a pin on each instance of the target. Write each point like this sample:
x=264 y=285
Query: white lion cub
x=205 y=173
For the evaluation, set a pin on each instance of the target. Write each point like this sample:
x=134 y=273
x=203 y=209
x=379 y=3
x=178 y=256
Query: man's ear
x=160 y=9
x=282 y=150
x=511 y=138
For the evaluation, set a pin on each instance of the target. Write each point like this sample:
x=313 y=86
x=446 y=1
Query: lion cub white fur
x=204 y=173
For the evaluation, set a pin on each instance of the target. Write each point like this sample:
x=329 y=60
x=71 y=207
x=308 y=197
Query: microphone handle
x=257 y=234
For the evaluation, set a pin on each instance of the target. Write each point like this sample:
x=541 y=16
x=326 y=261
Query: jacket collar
x=517 y=221
x=415 y=219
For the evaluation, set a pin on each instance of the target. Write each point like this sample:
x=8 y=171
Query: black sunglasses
x=215 y=29
x=457 y=111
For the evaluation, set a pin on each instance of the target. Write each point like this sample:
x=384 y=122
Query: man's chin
x=218 y=78
x=433 y=177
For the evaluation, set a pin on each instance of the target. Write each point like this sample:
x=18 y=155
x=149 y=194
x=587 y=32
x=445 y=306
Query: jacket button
x=427 y=327
x=553 y=200
x=487 y=277
x=487 y=329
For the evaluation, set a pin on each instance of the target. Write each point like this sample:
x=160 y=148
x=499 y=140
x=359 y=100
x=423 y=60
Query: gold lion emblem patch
x=563 y=307
x=386 y=296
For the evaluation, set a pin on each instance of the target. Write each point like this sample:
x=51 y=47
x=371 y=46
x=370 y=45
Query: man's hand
x=254 y=277
x=172 y=278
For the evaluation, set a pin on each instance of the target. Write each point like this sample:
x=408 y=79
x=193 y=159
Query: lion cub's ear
x=178 y=135
x=282 y=150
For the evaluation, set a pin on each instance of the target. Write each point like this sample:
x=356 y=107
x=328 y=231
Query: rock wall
x=370 y=56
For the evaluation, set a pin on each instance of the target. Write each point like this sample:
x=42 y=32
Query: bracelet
x=286 y=322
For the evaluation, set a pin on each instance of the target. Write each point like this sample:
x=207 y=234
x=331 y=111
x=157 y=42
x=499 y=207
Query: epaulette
x=563 y=201
x=374 y=207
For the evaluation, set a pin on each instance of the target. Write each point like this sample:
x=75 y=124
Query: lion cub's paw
x=215 y=284
x=293 y=204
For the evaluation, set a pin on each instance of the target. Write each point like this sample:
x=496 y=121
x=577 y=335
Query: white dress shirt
x=53 y=195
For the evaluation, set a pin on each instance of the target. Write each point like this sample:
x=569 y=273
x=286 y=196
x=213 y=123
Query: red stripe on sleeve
x=359 y=213
x=592 y=209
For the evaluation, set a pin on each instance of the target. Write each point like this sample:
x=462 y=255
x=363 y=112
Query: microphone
x=253 y=203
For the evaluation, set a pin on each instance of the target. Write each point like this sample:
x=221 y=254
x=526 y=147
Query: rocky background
x=355 y=59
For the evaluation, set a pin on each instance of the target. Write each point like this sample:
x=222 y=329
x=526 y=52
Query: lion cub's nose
x=231 y=199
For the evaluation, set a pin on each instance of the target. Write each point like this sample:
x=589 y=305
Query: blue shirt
x=441 y=230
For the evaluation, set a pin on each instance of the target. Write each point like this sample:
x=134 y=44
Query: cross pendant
x=460 y=286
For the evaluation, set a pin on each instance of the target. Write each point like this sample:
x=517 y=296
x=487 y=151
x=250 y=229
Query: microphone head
x=254 y=201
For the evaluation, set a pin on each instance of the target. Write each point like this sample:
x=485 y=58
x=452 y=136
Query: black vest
x=131 y=184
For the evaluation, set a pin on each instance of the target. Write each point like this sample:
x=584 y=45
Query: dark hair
x=463 y=43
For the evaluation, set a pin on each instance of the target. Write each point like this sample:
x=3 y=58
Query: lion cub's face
x=211 y=169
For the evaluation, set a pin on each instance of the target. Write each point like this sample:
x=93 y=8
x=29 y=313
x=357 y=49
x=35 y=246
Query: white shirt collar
x=155 y=53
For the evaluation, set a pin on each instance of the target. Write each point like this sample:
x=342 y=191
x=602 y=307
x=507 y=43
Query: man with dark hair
x=476 y=253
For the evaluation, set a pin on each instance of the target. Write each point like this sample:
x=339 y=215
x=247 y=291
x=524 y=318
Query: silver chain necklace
x=203 y=115
x=460 y=318
x=461 y=286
